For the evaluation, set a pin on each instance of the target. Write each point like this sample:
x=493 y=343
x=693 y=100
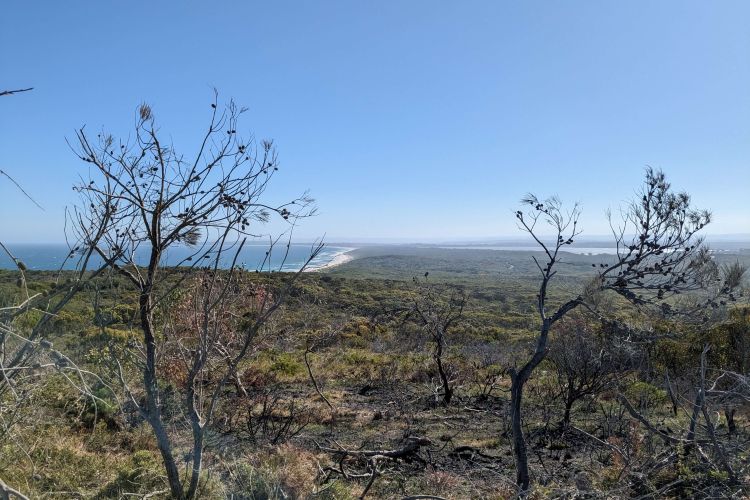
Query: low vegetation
x=606 y=412
x=406 y=373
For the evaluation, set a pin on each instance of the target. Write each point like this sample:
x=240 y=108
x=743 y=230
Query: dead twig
x=17 y=91
x=6 y=492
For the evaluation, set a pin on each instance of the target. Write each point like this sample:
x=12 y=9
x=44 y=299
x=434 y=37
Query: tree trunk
x=170 y=466
x=150 y=382
x=693 y=421
x=518 y=381
x=197 y=462
x=566 y=415
x=519 y=443
x=197 y=427
x=731 y=425
x=447 y=391
x=241 y=391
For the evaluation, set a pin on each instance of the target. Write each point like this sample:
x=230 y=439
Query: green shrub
x=646 y=394
x=142 y=473
x=287 y=365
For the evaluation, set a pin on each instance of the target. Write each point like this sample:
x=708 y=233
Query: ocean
x=52 y=257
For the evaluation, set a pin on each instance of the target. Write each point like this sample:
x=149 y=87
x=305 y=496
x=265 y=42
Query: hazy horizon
x=520 y=239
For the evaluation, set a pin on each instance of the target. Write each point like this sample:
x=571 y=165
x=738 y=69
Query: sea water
x=51 y=257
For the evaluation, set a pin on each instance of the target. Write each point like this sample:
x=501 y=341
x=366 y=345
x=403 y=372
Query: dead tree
x=581 y=361
x=156 y=199
x=659 y=257
x=438 y=310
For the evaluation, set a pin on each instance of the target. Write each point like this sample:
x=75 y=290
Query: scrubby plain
x=341 y=394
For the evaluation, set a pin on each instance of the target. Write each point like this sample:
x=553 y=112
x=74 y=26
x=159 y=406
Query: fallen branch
x=409 y=450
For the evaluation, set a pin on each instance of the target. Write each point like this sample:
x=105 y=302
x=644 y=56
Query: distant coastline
x=342 y=257
x=53 y=257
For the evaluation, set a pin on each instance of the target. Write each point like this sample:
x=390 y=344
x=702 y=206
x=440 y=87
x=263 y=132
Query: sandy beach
x=337 y=260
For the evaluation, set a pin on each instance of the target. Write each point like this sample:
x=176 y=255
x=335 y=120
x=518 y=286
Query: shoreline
x=337 y=260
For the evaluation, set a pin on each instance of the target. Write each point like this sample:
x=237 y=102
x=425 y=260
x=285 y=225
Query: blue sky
x=407 y=120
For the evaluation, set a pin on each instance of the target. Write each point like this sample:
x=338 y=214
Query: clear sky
x=411 y=120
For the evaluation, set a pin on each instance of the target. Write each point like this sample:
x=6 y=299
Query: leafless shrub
x=582 y=363
x=438 y=310
x=143 y=199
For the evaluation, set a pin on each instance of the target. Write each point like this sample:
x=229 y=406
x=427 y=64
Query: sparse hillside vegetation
x=408 y=372
x=274 y=435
